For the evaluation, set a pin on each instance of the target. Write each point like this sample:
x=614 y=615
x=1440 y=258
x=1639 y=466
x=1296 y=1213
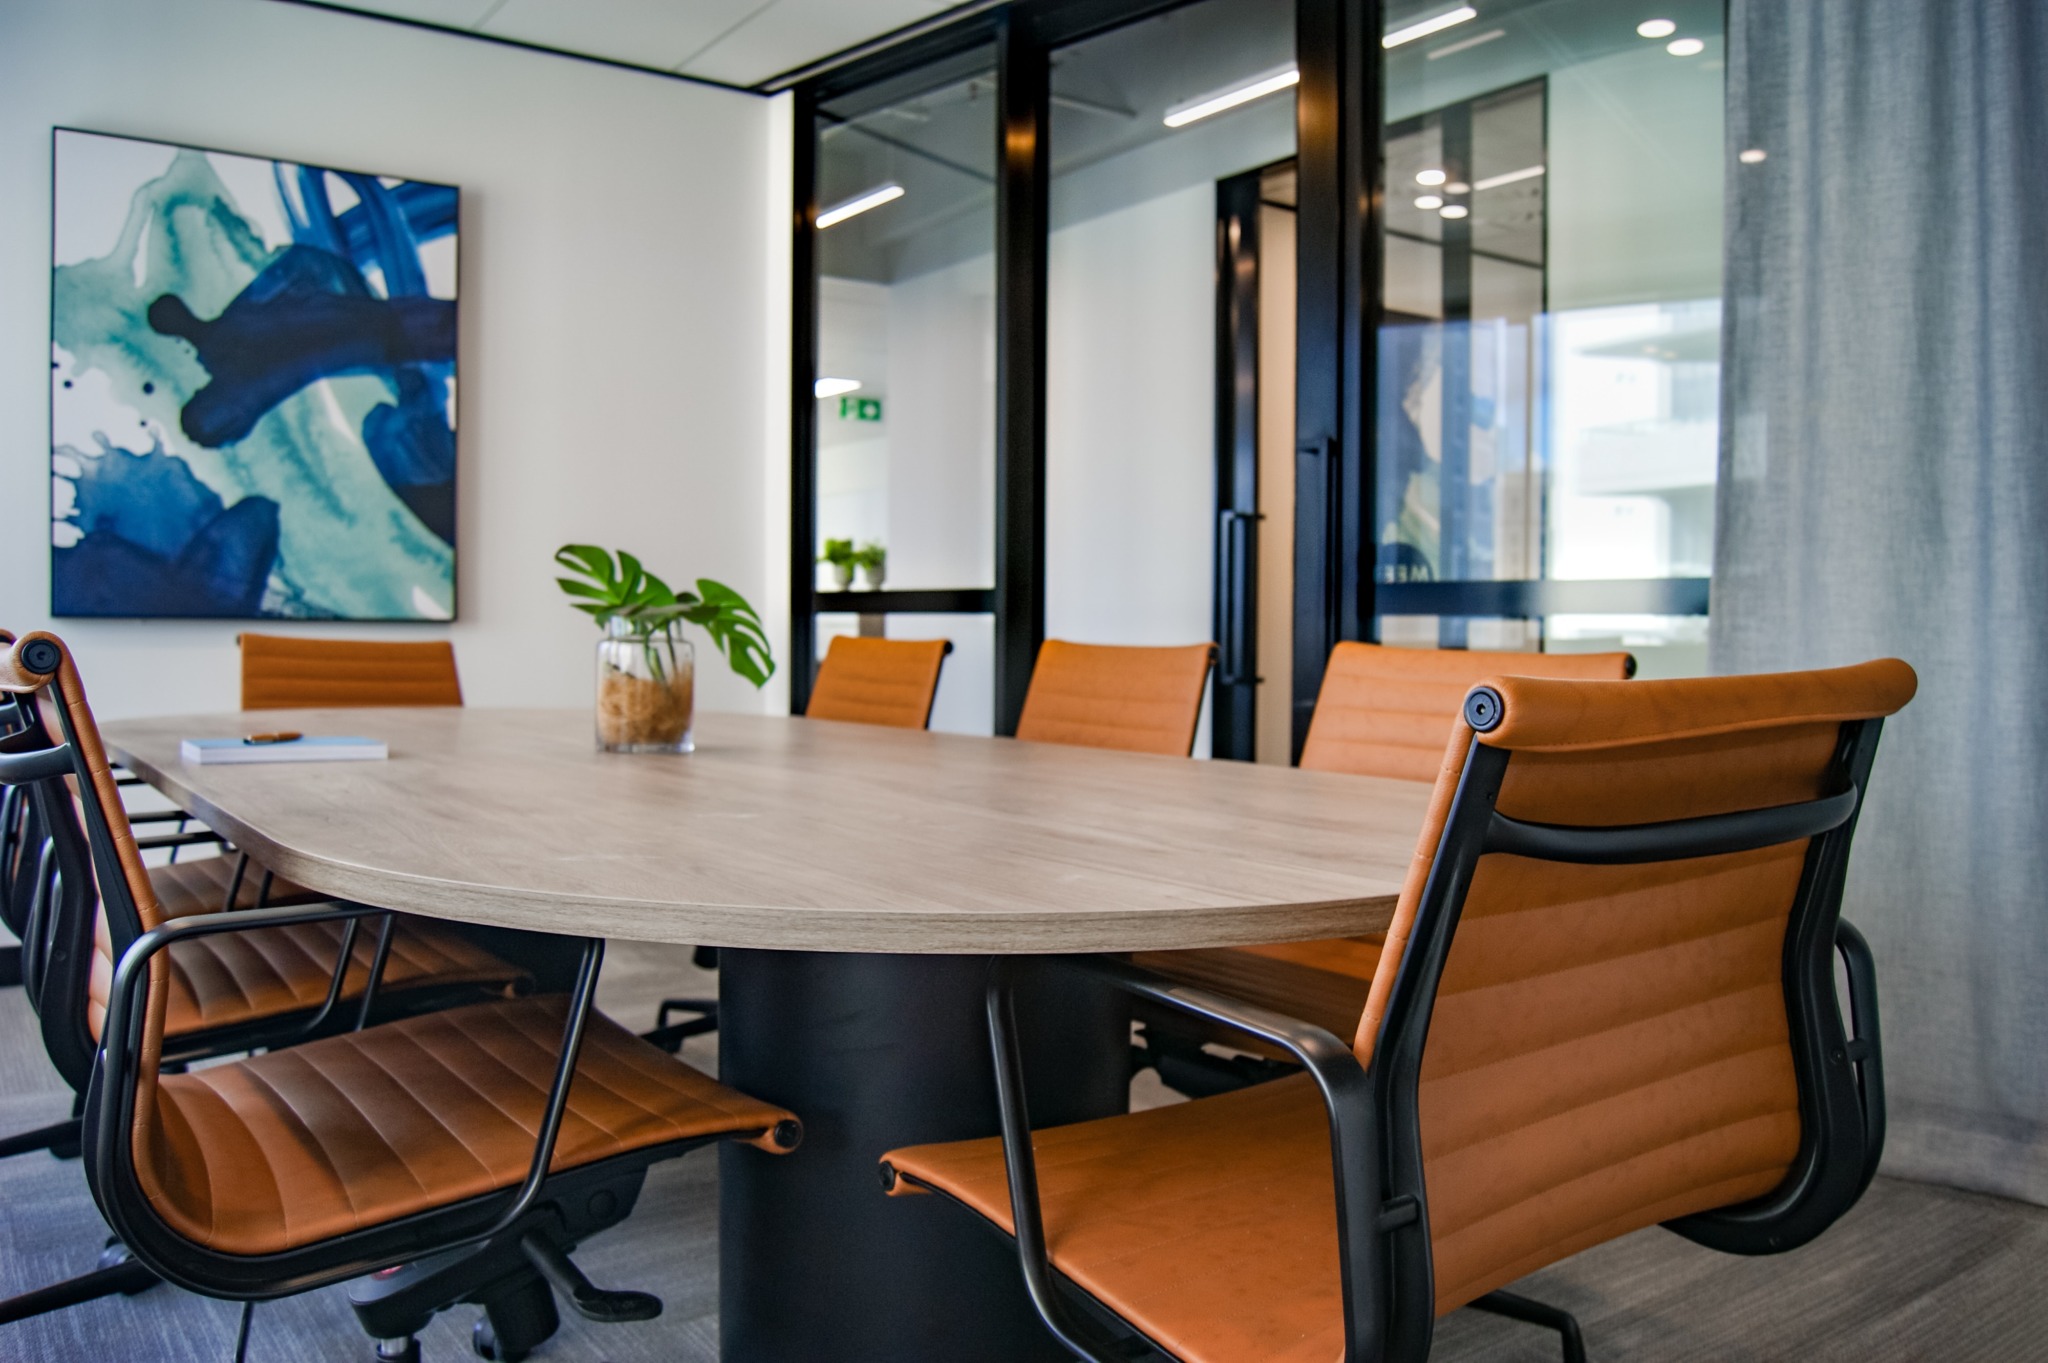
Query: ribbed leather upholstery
x=201 y=886
x=1384 y=711
x=1101 y=696
x=299 y=1145
x=240 y=977
x=288 y=672
x=1381 y=712
x=878 y=681
x=1609 y=1048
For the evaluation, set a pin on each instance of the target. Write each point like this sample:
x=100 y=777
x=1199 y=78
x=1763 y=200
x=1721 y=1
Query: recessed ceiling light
x=1425 y=27
x=1258 y=87
x=1432 y=178
x=832 y=388
x=1429 y=203
x=1457 y=187
x=1453 y=211
x=1752 y=156
x=859 y=204
x=1685 y=47
x=1656 y=28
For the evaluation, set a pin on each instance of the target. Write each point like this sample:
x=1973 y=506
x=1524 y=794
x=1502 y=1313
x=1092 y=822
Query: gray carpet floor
x=1913 y=1273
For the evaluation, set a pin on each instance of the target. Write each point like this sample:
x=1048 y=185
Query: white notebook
x=212 y=751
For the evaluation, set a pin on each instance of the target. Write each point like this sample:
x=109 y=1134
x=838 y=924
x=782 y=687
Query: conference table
x=857 y=881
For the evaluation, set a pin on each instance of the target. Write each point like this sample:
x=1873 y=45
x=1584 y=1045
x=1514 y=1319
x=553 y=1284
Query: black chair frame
x=1384 y=1249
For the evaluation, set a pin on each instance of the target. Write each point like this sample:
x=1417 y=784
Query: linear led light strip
x=859 y=204
x=1424 y=27
x=1258 y=87
x=1507 y=178
x=1271 y=82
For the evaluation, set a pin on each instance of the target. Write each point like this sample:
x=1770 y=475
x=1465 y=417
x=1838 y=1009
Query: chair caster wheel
x=483 y=1340
x=398 y=1351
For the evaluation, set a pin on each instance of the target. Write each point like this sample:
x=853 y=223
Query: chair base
x=10 y=966
x=513 y=1277
x=1517 y=1307
x=61 y=1139
x=670 y=1036
x=117 y=1273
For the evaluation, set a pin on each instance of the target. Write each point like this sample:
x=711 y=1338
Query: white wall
x=1131 y=425
x=622 y=259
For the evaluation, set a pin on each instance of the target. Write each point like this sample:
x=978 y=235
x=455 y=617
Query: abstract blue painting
x=252 y=387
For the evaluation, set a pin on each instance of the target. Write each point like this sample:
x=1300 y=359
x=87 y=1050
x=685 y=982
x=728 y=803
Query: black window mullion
x=803 y=410
x=1023 y=96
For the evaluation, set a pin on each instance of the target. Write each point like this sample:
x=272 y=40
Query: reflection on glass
x=1145 y=120
x=906 y=327
x=1549 y=368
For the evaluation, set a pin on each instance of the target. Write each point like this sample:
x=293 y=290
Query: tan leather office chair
x=1608 y=1000
x=1381 y=712
x=224 y=994
x=879 y=681
x=475 y=1146
x=289 y=672
x=1104 y=696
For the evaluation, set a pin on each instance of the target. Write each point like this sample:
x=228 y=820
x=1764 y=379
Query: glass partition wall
x=1147 y=122
x=1275 y=322
x=904 y=390
x=1548 y=367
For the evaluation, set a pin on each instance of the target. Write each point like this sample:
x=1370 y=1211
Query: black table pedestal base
x=873 y=1052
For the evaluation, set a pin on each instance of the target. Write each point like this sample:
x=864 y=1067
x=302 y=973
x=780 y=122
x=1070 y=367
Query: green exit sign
x=860 y=409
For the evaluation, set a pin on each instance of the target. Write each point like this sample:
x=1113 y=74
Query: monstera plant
x=646 y=671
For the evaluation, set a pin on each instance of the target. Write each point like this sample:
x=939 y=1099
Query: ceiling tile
x=790 y=33
x=447 y=13
x=657 y=33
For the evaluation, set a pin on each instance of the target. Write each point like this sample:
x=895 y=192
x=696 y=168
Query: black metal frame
x=1376 y=1135
x=1339 y=209
x=1234 y=712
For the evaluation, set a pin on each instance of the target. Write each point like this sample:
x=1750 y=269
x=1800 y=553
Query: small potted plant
x=840 y=554
x=646 y=670
x=873 y=561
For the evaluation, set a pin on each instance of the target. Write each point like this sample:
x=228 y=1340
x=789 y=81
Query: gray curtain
x=1884 y=490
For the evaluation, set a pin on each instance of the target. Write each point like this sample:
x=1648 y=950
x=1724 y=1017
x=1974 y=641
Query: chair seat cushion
x=299 y=1145
x=1210 y=1226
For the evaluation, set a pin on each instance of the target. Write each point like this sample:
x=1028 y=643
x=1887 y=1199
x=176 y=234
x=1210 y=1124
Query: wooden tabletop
x=791 y=833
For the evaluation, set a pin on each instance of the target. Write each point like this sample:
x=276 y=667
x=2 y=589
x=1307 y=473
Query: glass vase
x=646 y=690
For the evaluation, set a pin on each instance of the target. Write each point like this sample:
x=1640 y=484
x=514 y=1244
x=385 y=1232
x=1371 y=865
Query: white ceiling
x=741 y=42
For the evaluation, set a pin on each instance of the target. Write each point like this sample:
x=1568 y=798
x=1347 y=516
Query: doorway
x=1255 y=463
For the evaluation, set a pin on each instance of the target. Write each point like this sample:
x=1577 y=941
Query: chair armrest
x=20 y=768
x=1347 y=1097
x=187 y=838
x=160 y=816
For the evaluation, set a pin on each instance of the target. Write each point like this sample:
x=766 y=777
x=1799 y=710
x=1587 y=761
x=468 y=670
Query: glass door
x=903 y=478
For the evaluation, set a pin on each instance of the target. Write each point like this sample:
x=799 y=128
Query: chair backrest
x=288 y=672
x=1608 y=995
x=1103 y=696
x=39 y=667
x=1384 y=711
x=879 y=681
